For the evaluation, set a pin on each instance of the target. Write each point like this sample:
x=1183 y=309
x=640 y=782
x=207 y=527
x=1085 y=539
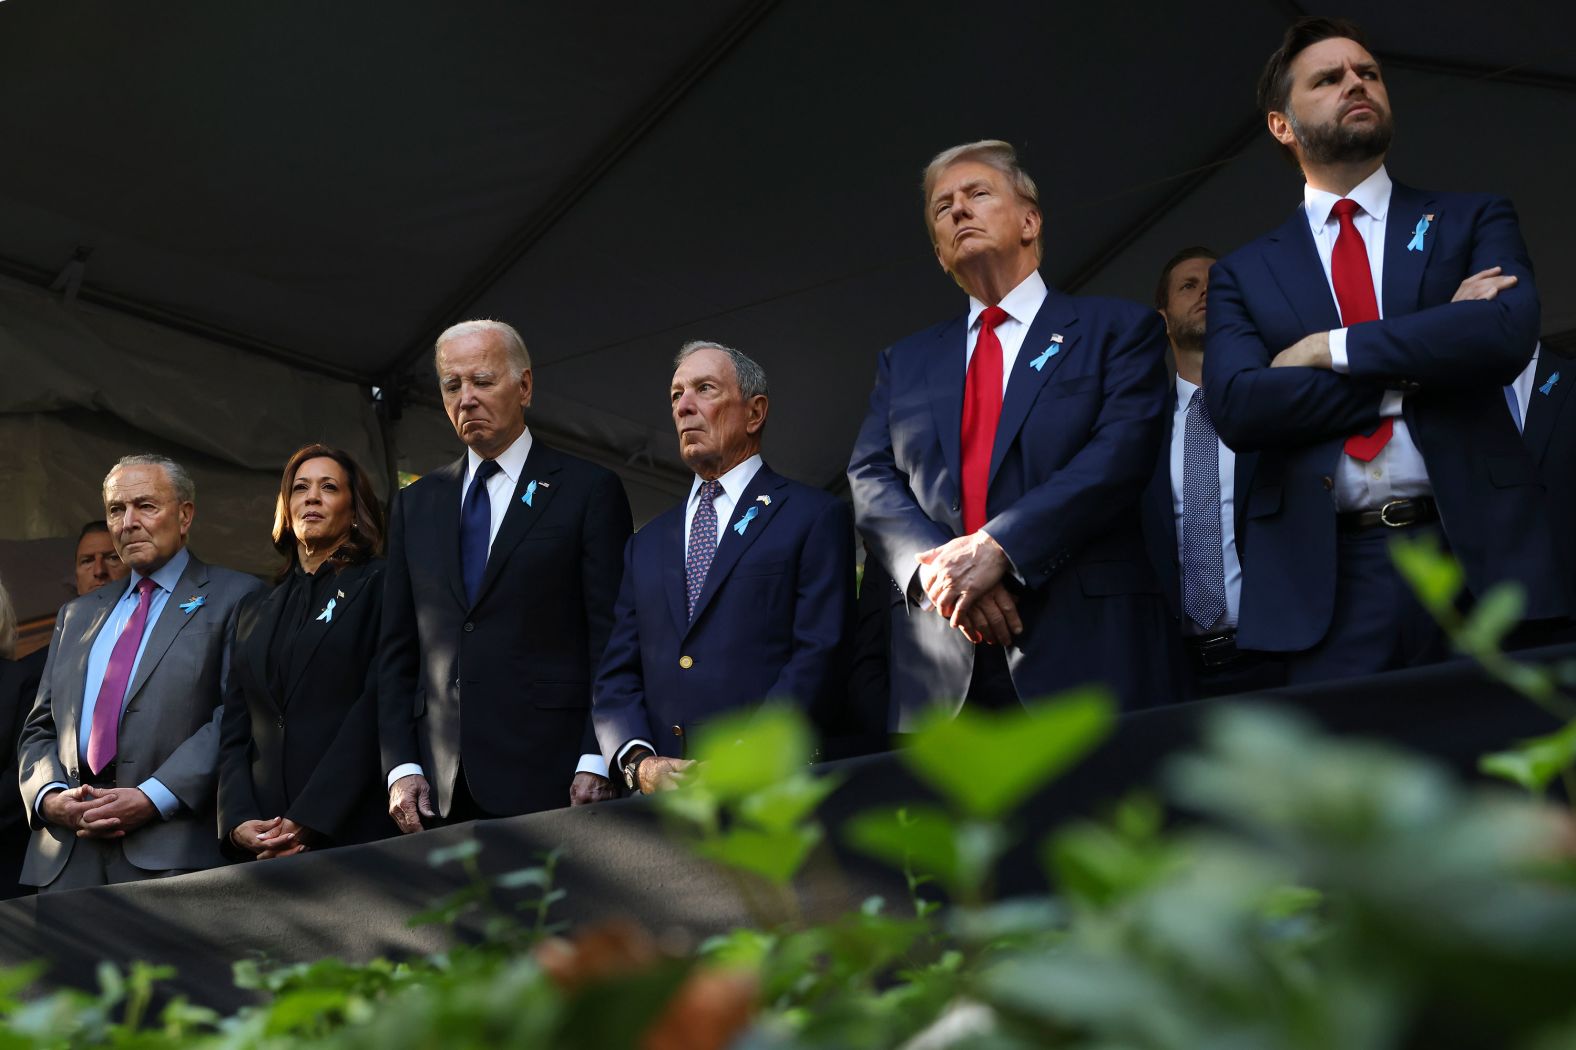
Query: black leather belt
x=1211 y=652
x=1397 y=514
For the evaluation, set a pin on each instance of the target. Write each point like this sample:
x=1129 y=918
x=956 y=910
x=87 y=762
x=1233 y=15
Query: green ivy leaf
x=749 y=751
x=1492 y=618
x=459 y=851
x=788 y=802
x=923 y=837
x=775 y=855
x=985 y=763
x=1533 y=764
x=1435 y=576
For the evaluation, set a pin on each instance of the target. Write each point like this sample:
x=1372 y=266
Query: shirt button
x=1378 y=474
x=1329 y=483
x=686 y=662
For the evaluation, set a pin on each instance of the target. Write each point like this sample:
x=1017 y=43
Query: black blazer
x=310 y=754
x=18 y=687
x=1159 y=520
x=1550 y=435
x=504 y=684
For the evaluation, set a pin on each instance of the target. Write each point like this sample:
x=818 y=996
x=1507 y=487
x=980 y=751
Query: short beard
x=1335 y=143
x=1186 y=334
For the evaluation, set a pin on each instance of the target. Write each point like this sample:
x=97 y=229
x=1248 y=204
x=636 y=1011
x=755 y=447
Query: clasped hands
x=963 y=580
x=98 y=813
x=1313 y=351
x=267 y=839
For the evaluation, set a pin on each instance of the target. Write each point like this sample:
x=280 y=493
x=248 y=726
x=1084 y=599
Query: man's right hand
x=248 y=834
x=65 y=808
x=660 y=773
x=1485 y=284
x=410 y=799
x=993 y=619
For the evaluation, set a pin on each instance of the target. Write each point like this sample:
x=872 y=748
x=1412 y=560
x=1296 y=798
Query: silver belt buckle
x=1384 y=514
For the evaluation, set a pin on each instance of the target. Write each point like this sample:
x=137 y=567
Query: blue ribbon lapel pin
x=192 y=604
x=1419 y=232
x=1049 y=352
x=530 y=491
x=1548 y=384
x=744 y=522
x=327 y=615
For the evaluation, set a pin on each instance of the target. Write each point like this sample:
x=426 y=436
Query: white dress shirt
x=1523 y=388
x=1397 y=472
x=734 y=482
x=1228 y=515
x=500 y=493
x=1021 y=304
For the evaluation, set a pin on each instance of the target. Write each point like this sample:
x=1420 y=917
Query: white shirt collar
x=735 y=481
x=511 y=461
x=1372 y=195
x=1184 y=393
x=1020 y=303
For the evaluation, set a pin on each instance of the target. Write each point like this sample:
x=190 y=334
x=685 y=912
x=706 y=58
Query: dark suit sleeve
x=191 y=772
x=38 y=750
x=336 y=786
x=399 y=649
x=1467 y=344
x=237 y=801
x=18 y=689
x=823 y=611
x=618 y=697
x=1254 y=406
x=604 y=536
x=1108 y=473
x=894 y=525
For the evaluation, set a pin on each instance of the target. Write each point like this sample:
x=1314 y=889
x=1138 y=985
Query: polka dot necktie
x=1203 y=567
x=702 y=542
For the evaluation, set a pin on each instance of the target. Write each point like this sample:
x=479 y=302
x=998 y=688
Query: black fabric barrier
x=354 y=903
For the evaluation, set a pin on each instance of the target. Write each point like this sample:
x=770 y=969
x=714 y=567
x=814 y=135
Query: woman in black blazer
x=298 y=760
x=19 y=680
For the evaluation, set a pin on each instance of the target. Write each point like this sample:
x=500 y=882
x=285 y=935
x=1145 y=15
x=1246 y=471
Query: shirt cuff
x=38 y=802
x=618 y=759
x=168 y=805
x=1338 y=361
x=592 y=764
x=1390 y=404
x=403 y=770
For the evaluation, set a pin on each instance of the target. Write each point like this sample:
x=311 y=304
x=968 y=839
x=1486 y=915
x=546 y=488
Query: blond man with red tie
x=997 y=475
x=1362 y=349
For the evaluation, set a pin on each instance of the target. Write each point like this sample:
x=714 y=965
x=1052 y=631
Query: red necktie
x=981 y=412
x=1354 y=294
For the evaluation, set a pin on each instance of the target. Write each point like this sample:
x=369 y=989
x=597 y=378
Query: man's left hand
x=122 y=810
x=586 y=788
x=964 y=570
x=1311 y=351
x=288 y=839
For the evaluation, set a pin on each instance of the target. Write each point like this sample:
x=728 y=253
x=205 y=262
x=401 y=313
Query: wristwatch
x=632 y=768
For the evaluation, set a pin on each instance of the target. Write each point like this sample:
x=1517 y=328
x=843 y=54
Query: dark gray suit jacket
x=169 y=727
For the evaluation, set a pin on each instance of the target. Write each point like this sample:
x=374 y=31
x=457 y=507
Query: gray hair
x=513 y=345
x=751 y=376
x=993 y=153
x=185 y=487
x=7 y=626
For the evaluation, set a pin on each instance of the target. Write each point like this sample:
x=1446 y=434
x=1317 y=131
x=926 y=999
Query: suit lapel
x=67 y=717
x=346 y=588
x=1242 y=477
x=1403 y=268
x=1158 y=504
x=268 y=614
x=446 y=493
x=539 y=477
x=172 y=620
x=1057 y=317
x=674 y=556
x=945 y=378
x=1293 y=261
x=1543 y=409
x=733 y=545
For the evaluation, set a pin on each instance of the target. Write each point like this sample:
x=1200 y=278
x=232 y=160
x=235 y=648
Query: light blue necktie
x=1203 y=568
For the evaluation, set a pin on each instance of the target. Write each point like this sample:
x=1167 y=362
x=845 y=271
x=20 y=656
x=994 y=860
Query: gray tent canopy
x=225 y=231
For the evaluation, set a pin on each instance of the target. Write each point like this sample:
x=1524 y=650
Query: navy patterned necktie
x=1203 y=568
x=476 y=529
x=702 y=542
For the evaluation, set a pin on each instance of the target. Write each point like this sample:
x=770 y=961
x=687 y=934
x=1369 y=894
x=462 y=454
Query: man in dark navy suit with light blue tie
x=743 y=593
x=997 y=475
x=1193 y=506
x=1335 y=349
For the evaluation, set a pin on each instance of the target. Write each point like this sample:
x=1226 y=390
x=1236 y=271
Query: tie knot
x=145 y=586
x=993 y=316
x=486 y=469
x=710 y=490
x=1344 y=209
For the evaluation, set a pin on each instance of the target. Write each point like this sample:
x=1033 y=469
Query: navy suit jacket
x=1160 y=531
x=1550 y=435
x=502 y=684
x=772 y=621
x=1453 y=358
x=1074 y=448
